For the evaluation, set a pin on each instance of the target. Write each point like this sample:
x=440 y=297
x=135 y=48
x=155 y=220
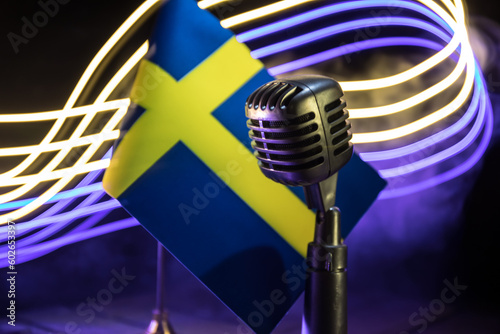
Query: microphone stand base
x=159 y=324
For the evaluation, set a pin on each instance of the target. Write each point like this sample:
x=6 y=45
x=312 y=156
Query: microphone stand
x=159 y=324
x=325 y=303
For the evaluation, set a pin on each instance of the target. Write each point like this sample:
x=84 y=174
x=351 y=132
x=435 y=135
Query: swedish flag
x=183 y=167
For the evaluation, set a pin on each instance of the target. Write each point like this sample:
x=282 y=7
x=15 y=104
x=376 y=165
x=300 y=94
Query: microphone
x=301 y=136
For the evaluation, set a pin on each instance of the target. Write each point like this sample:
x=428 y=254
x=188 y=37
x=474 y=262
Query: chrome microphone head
x=299 y=129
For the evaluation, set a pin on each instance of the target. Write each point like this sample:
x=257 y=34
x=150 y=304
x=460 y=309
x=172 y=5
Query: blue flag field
x=184 y=168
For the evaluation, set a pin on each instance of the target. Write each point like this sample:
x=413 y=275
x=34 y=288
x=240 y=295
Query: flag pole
x=160 y=324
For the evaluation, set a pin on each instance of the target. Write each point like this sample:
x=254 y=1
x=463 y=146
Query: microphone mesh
x=299 y=129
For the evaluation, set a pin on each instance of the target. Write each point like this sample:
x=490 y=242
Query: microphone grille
x=287 y=145
x=299 y=129
x=339 y=126
x=273 y=95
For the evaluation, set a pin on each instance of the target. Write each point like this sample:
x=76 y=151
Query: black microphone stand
x=325 y=304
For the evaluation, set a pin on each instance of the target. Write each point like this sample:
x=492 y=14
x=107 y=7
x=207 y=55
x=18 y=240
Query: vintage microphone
x=300 y=133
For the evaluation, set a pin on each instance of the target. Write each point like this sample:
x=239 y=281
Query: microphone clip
x=321 y=195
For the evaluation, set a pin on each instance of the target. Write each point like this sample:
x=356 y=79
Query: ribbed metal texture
x=285 y=145
x=299 y=129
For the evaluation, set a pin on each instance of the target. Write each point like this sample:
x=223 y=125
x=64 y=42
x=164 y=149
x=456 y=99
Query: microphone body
x=301 y=137
x=301 y=134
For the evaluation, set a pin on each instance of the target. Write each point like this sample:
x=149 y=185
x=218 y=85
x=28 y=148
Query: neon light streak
x=54 y=228
x=442 y=155
x=65 y=175
x=334 y=9
x=338 y=29
x=62 y=204
x=204 y=4
x=107 y=47
x=432 y=140
x=384 y=82
x=375 y=83
x=63 y=199
x=78 y=213
x=454 y=26
x=122 y=72
x=84 y=80
x=378 y=136
x=81 y=165
x=452 y=173
x=414 y=100
x=353 y=47
x=261 y=12
x=55 y=146
x=68 y=194
x=55 y=114
x=83 y=188
x=50 y=246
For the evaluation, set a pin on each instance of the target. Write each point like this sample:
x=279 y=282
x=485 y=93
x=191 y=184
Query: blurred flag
x=184 y=168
